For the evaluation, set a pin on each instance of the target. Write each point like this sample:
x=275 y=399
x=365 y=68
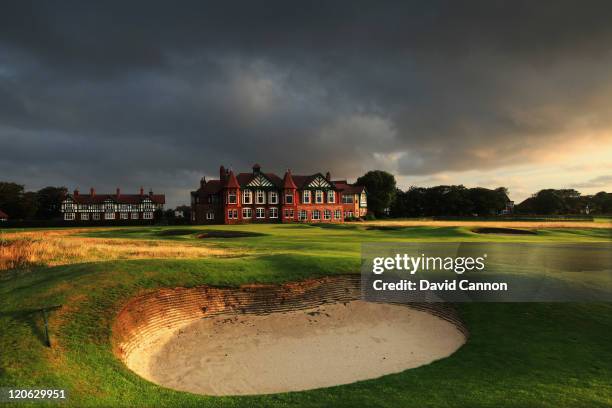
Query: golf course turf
x=517 y=355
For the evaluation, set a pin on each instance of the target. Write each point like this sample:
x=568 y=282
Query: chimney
x=150 y=191
x=118 y=191
x=92 y=192
x=76 y=192
x=256 y=168
x=141 y=191
x=202 y=182
x=221 y=173
x=328 y=176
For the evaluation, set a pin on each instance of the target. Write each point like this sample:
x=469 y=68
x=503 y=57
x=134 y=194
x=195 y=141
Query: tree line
x=385 y=199
x=44 y=204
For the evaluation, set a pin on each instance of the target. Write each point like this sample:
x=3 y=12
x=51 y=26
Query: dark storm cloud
x=157 y=93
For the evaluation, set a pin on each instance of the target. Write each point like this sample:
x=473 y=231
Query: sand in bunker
x=292 y=351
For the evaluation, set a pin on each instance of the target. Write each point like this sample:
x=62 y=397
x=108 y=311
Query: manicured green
x=518 y=355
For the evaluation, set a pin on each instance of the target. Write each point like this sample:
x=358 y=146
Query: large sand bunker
x=270 y=339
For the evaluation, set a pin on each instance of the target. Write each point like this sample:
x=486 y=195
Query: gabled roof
x=121 y=199
x=231 y=181
x=344 y=187
x=288 y=180
x=3 y=214
x=258 y=178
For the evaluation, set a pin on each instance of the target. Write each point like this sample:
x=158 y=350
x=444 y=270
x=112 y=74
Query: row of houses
x=253 y=197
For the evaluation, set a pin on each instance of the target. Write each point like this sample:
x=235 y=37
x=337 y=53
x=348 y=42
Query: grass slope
x=518 y=355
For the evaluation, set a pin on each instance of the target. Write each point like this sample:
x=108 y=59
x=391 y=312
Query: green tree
x=50 y=202
x=381 y=188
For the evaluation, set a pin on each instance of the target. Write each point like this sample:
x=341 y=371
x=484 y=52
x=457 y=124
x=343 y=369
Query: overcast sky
x=485 y=93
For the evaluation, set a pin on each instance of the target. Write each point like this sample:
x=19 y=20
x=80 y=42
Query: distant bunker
x=265 y=339
x=504 y=231
x=229 y=234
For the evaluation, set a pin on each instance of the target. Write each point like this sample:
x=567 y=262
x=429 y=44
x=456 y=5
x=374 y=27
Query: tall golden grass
x=50 y=248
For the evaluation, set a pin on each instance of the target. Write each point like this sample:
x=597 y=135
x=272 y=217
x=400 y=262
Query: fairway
x=539 y=354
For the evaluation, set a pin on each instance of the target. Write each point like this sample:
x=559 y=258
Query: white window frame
x=318 y=196
x=109 y=215
x=96 y=216
x=260 y=213
x=69 y=216
x=348 y=214
x=84 y=216
x=147 y=216
x=134 y=215
x=272 y=197
x=289 y=213
x=273 y=212
x=363 y=200
x=230 y=214
x=327 y=214
x=247 y=212
x=347 y=199
x=338 y=214
x=306 y=197
x=302 y=215
x=316 y=215
x=231 y=197
x=247 y=197
x=290 y=196
x=210 y=215
x=331 y=196
x=260 y=197
x=124 y=216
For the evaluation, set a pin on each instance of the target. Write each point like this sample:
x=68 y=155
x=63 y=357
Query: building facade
x=118 y=207
x=259 y=197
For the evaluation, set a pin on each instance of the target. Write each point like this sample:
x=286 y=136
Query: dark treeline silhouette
x=449 y=201
x=566 y=201
x=44 y=204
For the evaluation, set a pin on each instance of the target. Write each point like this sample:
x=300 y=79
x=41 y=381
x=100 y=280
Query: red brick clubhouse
x=268 y=198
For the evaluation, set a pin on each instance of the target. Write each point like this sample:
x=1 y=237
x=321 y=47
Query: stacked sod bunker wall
x=167 y=311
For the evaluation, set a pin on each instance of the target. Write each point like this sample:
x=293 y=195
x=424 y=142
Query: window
x=327 y=215
x=273 y=198
x=108 y=206
x=302 y=215
x=231 y=197
x=306 y=197
x=109 y=216
x=147 y=216
x=316 y=215
x=232 y=214
x=319 y=196
x=134 y=215
x=69 y=216
x=210 y=215
x=123 y=216
x=288 y=198
x=247 y=213
x=85 y=217
x=289 y=213
x=363 y=201
x=347 y=199
x=331 y=196
x=260 y=197
x=260 y=212
x=247 y=197
x=96 y=216
x=273 y=212
x=348 y=214
x=337 y=214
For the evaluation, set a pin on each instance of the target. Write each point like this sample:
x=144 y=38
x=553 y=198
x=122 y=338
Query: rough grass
x=518 y=355
x=51 y=248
